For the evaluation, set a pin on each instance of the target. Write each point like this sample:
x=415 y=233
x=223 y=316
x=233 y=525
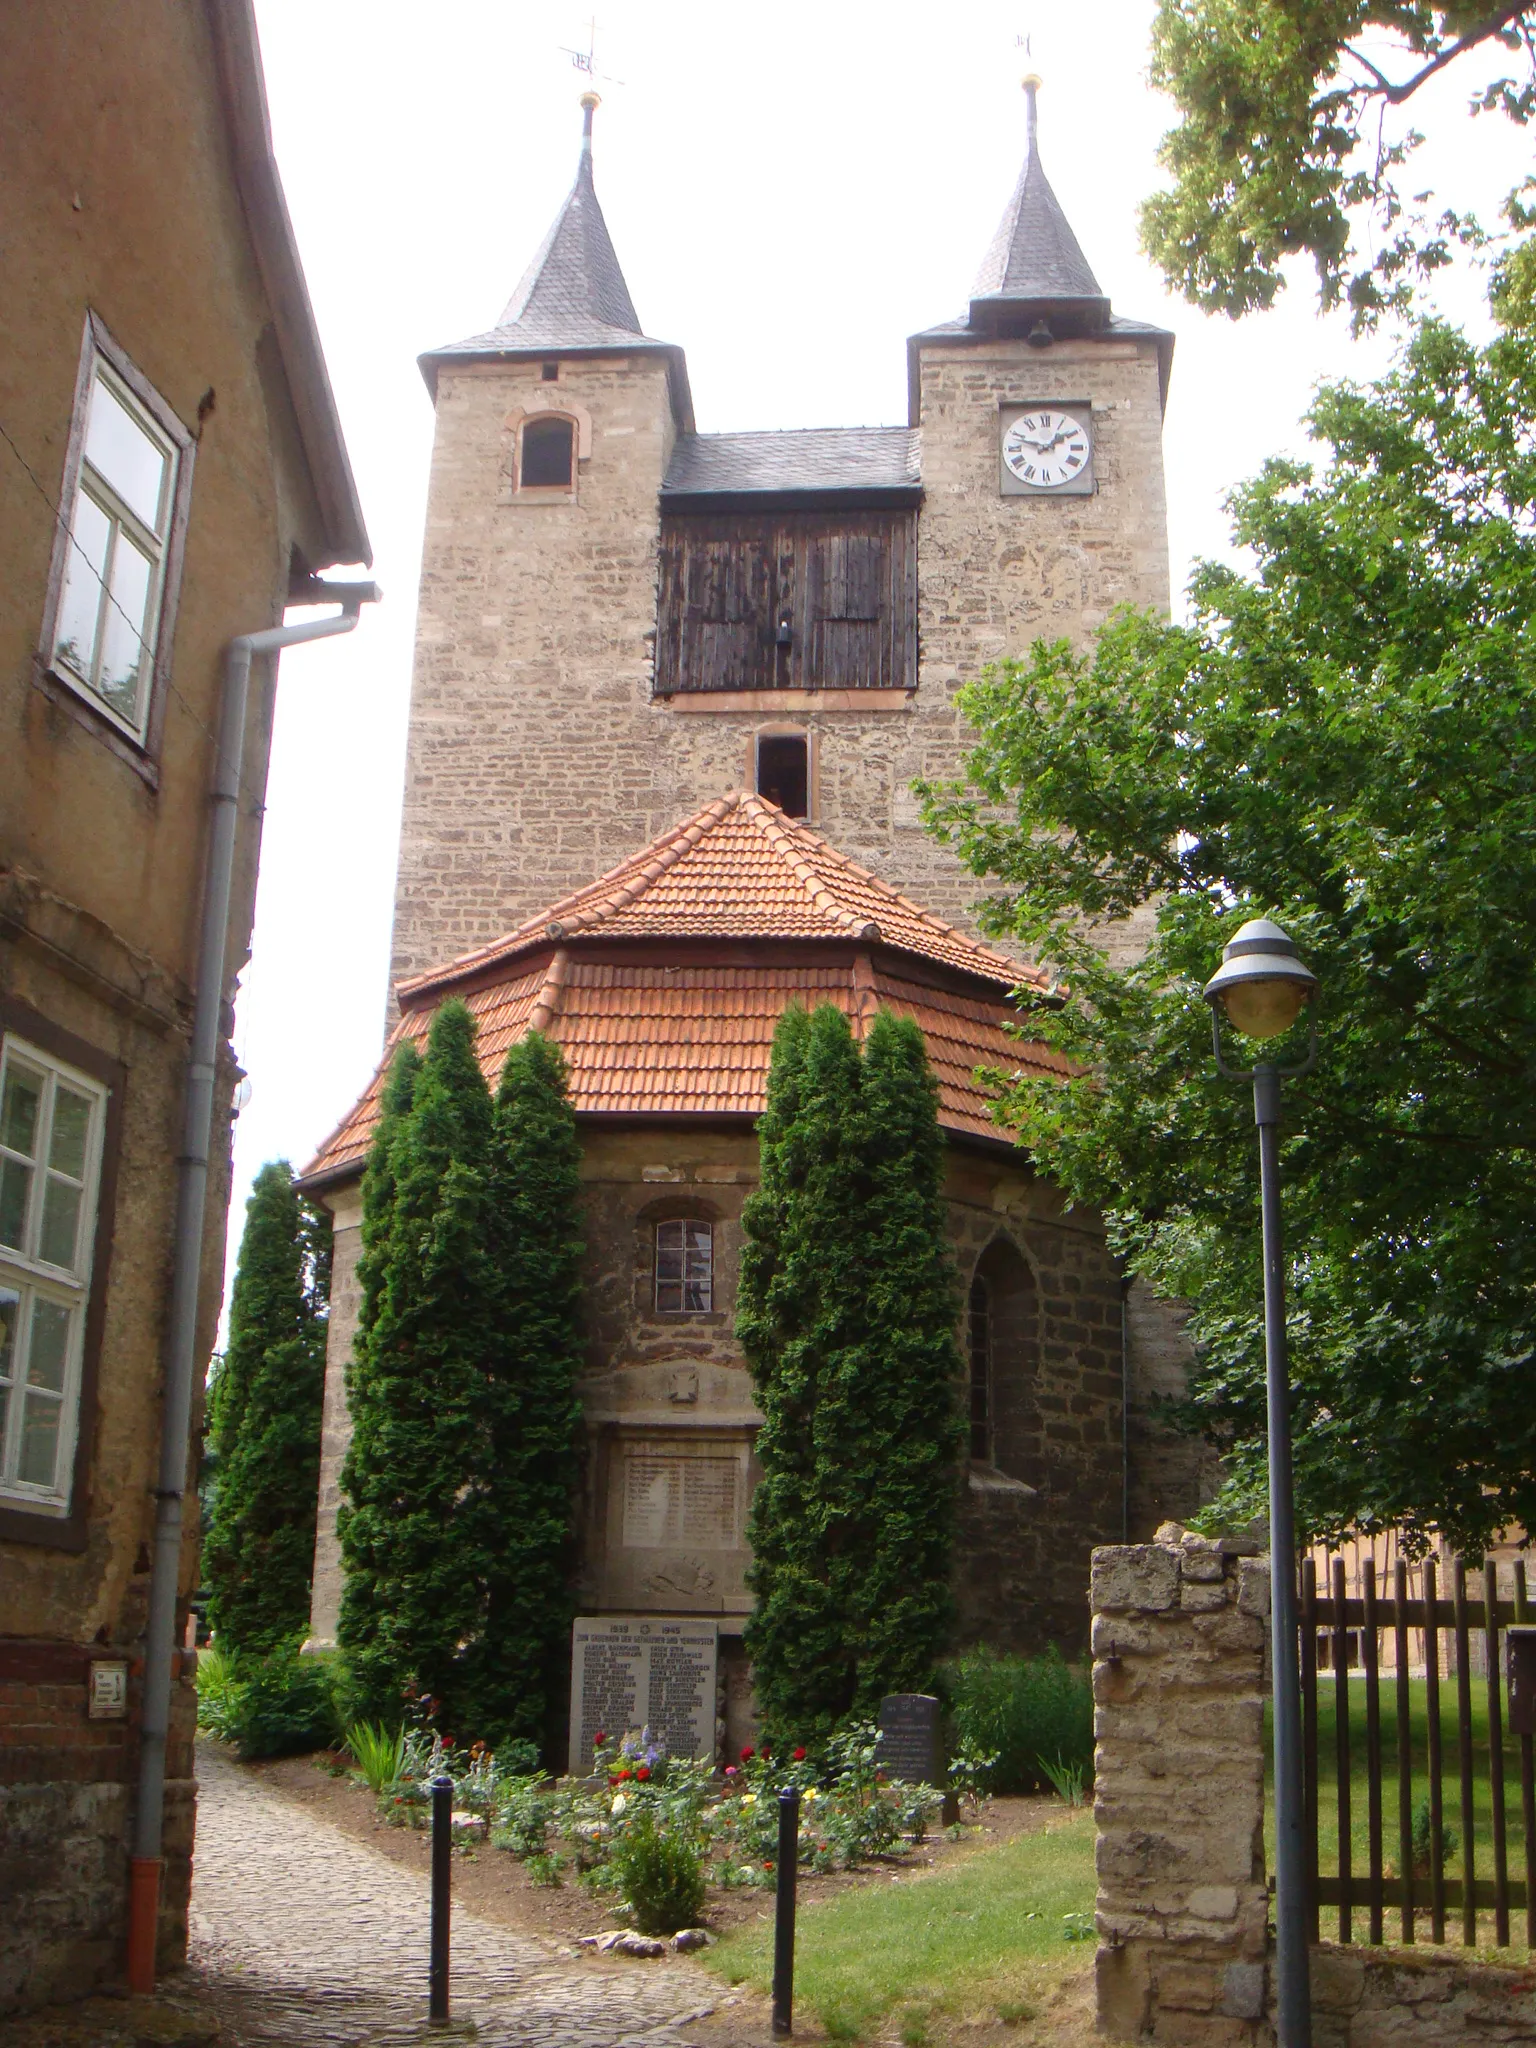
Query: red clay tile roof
x=661 y=1029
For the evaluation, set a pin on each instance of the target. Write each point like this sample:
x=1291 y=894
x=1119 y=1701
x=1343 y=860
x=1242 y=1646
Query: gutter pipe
x=191 y=1200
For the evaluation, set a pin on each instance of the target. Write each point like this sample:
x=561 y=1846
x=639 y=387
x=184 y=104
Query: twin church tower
x=622 y=618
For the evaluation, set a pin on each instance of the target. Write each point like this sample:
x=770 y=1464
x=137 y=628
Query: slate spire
x=1034 y=279
x=573 y=292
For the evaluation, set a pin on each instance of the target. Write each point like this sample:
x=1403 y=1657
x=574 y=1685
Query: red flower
x=765 y=1750
x=625 y=1773
x=599 y=1739
x=730 y=1770
x=767 y=1865
x=447 y=1742
x=643 y=1773
x=799 y=1756
x=748 y=1753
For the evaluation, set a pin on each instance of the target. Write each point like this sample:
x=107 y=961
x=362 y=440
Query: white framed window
x=51 y=1125
x=685 y=1266
x=125 y=492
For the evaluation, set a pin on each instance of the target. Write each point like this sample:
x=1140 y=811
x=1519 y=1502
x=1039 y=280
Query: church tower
x=622 y=618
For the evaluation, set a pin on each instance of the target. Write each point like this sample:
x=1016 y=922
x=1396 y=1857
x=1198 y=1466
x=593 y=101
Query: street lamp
x=1263 y=987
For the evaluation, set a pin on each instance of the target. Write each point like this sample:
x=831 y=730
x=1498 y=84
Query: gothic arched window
x=979 y=1347
x=685 y=1266
x=548 y=453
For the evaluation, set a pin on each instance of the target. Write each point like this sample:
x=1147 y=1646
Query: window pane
x=40 y=1418
x=123 y=648
x=71 y=1129
x=15 y=1184
x=19 y=1109
x=61 y=1223
x=547 y=452
x=48 y=1352
x=698 y=1235
x=10 y=1308
x=669 y=1296
x=131 y=462
x=85 y=574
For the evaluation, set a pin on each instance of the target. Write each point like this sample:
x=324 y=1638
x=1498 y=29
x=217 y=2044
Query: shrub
x=661 y=1875
x=1022 y=1709
x=266 y=1706
x=378 y=1754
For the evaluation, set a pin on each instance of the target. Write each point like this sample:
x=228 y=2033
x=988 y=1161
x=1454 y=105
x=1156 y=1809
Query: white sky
x=791 y=191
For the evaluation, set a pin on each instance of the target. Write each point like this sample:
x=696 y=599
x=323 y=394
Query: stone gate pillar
x=1180 y=1632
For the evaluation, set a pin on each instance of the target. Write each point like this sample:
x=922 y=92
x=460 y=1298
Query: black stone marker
x=912 y=1744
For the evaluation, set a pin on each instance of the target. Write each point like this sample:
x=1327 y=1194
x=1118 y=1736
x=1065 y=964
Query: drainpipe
x=191 y=1197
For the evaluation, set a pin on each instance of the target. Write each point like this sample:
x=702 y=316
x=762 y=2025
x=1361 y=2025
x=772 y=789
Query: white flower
x=618 y=1803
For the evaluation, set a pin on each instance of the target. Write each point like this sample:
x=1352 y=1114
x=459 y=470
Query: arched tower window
x=979 y=1347
x=548 y=453
x=685 y=1266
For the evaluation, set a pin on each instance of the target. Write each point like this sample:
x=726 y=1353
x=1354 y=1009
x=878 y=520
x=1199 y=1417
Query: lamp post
x=1263 y=986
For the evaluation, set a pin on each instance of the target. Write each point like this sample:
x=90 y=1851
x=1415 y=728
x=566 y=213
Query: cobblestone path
x=304 y=1937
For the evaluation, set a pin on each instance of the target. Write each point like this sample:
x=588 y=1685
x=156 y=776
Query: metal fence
x=1441 y=1770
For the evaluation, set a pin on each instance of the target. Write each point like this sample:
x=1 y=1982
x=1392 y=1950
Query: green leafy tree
x=516 y=1679
x=264 y=1421
x=1344 y=738
x=847 y=1316
x=413 y=1530
x=1288 y=143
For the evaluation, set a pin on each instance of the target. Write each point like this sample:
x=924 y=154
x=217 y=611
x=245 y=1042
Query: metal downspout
x=191 y=1202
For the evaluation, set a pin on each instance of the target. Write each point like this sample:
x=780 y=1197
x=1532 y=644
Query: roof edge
x=242 y=84
x=1162 y=339
x=431 y=360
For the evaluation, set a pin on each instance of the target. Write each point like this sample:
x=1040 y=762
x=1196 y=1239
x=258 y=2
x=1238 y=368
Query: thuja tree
x=264 y=1421
x=516 y=1675
x=847 y=1316
x=1344 y=737
x=413 y=1531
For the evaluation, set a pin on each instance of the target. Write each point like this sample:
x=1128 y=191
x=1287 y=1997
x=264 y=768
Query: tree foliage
x=1345 y=738
x=1288 y=142
x=847 y=1316
x=458 y=1479
x=264 y=1421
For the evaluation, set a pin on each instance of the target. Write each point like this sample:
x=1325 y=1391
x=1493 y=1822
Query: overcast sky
x=792 y=191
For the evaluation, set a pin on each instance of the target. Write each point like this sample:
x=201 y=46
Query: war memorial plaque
x=911 y=1741
x=643 y=1671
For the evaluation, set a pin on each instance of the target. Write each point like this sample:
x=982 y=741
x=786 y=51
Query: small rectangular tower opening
x=784 y=771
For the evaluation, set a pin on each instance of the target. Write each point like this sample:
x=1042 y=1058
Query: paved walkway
x=304 y=1937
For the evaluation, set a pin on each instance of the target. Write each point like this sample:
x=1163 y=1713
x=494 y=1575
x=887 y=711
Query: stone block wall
x=1179 y=1634
x=1180 y=1676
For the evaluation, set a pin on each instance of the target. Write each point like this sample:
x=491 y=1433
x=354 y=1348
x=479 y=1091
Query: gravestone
x=643 y=1671
x=912 y=1744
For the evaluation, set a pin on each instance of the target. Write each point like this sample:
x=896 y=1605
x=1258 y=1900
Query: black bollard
x=784 y=1911
x=442 y=1853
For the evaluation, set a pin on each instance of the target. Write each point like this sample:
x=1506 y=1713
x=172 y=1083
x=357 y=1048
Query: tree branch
x=1397 y=94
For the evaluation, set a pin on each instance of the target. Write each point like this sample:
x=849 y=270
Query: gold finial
x=591 y=100
x=1032 y=81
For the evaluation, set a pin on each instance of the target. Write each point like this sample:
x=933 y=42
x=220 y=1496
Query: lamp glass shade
x=1264 y=1008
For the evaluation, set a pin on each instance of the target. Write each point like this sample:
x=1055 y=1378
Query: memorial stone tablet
x=643 y=1671
x=911 y=1740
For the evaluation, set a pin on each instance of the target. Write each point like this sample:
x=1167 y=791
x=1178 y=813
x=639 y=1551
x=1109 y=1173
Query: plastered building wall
x=537 y=755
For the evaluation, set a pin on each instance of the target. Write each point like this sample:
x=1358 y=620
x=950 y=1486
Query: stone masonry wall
x=1180 y=1636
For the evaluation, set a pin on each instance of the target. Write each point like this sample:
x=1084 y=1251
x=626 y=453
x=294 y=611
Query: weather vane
x=585 y=61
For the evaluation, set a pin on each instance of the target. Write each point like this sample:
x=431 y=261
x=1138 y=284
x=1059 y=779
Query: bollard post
x=785 y=1878
x=442 y=1853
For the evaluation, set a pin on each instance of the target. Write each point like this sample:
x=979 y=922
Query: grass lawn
x=1450 y=1782
x=983 y=1938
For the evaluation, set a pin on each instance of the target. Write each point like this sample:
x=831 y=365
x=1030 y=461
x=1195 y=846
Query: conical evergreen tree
x=264 y=1421
x=412 y=1537
x=847 y=1316
x=517 y=1677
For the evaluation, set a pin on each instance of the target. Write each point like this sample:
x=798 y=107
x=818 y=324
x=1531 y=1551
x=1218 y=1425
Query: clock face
x=1046 y=447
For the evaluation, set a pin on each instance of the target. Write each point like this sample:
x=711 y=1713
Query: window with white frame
x=51 y=1122
x=685 y=1266
x=116 y=557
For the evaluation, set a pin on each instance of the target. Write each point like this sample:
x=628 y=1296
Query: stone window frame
x=539 y=405
x=140 y=747
x=787 y=729
x=43 y=1525
x=678 y=1208
x=1009 y=1241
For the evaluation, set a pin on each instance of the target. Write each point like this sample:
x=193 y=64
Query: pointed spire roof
x=1035 y=268
x=572 y=299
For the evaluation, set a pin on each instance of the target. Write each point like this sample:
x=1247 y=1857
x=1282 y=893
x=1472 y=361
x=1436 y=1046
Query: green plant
x=545 y=1869
x=263 y=1424
x=661 y=1875
x=1067 y=1779
x=378 y=1753
x=1078 y=1927
x=279 y=1705
x=847 y=1316
x=1018 y=1709
x=1014 y=2012
x=971 y=1771
x=1424 y=1837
